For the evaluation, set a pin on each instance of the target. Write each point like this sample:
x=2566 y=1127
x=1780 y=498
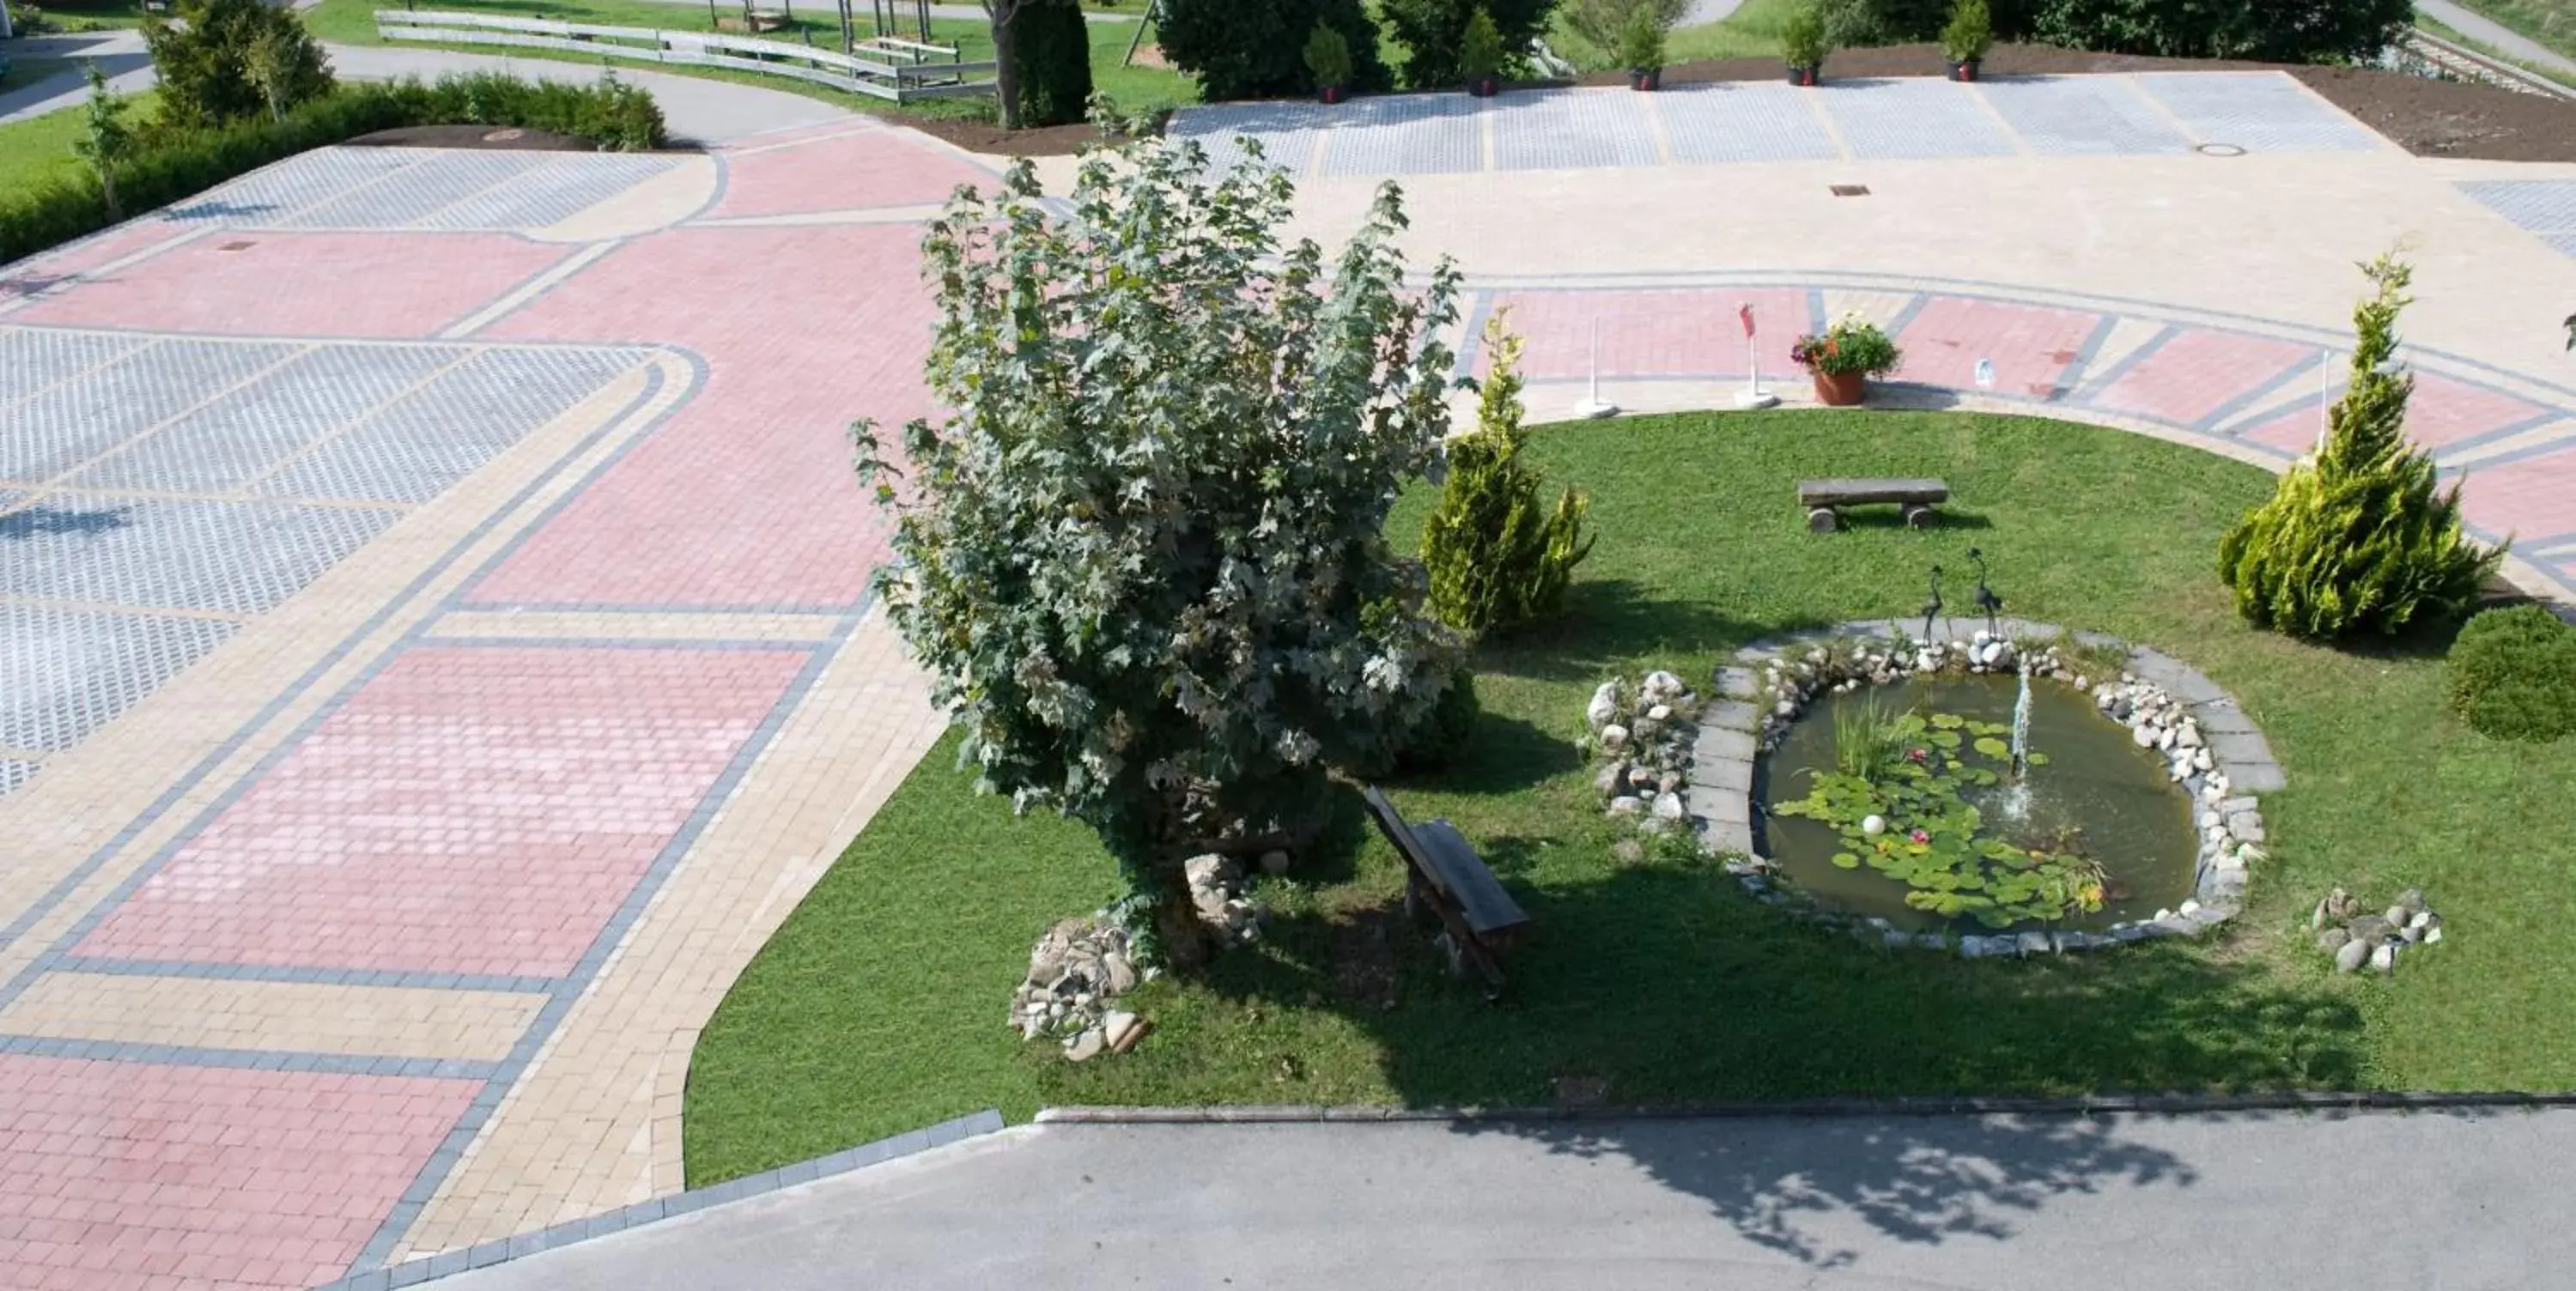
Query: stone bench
x=1823 y=500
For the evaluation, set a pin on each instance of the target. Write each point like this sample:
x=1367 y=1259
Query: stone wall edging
x=1738 y=723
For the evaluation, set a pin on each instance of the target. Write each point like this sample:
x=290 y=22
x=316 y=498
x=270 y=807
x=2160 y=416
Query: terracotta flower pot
x=1335 y=93
x=1484 y=87
x=1802 y=75
x=1966 y=71
x=1645 y=78
x=1841 y=389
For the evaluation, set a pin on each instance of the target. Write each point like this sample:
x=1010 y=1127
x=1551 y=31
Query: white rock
x=1981 y=637
x=1086 y=1046
x=2349 y=956
x=1604 y=705
x=2396 y=916
x=1627 y=805
x=2189 y=736
x=1115 y=1025
x=2432 y=934
x=2202 y=761
x=2385 y=958
x=2422 y=917
x=1873 y=826
x=1668 y=806
x=1614 y=737
x=2145 y=738
x=2211 y=818
x=2189 y=906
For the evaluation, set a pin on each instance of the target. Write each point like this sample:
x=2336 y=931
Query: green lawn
x=92 y=15
x=352 y=22
x=2458 y=38
x=2551 y=22
x=880 y=1005
x=38 y=149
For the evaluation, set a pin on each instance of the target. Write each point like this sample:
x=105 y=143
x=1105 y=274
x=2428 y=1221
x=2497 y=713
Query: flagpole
x=1593 y=406
x=2325 y=402
x=1754 y=395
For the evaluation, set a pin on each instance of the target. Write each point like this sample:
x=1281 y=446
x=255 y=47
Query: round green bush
x=1446 y=733
x=2512 y=675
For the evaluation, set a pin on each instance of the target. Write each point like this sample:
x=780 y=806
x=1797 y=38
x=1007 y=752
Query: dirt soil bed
x=497 y=138
x=2426 y=117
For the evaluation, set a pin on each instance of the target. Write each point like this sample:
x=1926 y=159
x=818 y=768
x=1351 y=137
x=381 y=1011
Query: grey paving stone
x=67 y=425
x=2541 y=206
x=1744 y=121
x=2257 y=111
x=1572 y=129
x=1718 y=744
x=1286 y=132
x=272 y=195
x=434 y=180
x=563 y=187
x=1729 y=776
x=70 y=673
x=1406 y=134
x=236 y=557
x=1732 y=715
x=15 y=772
x=1890 y=120
x=242 y=435
x=2060 y=116
x=32 y=358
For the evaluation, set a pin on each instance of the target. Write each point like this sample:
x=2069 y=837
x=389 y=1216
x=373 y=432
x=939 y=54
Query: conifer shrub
x=1499 y=555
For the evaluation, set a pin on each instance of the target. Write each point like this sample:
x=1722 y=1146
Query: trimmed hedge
x=2278 y=31
x=171 y=165
x=2512 y=675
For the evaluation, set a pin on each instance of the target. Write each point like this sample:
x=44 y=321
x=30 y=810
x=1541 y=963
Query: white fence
x=903 y=78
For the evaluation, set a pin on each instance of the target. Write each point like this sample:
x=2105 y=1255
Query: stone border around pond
x=2168 y=704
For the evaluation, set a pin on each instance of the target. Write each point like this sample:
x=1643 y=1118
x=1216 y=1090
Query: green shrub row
x=2284 y=31
x=171 y=165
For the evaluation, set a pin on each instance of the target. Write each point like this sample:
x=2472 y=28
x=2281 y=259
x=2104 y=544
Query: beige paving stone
x=600 y=1104
x=657 y=203
x=382 y=1021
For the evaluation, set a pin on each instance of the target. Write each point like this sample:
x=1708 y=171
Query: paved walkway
x=432 y=589
x=2495 y=35
x=424 y=697
x=2216 y=1203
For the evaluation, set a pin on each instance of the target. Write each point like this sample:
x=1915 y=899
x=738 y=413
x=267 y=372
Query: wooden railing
x=903 y=78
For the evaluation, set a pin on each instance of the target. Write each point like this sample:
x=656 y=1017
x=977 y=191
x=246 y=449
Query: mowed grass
x=880 y=1005
x=37 y=150
x=2551 y=22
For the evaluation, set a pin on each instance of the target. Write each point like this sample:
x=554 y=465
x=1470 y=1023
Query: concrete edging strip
x=413 y=1272
x=2081 y=1105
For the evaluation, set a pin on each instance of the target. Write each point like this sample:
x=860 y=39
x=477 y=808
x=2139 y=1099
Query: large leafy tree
x=223 y=60
x=2362 y=539
x=1434 y=33
x=1144 y=556
x=1244 y=49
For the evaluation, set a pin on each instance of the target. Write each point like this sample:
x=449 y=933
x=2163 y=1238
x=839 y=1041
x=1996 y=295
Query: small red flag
x=1746 y=314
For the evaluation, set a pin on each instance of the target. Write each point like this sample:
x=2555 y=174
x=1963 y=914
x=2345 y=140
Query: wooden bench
x=1445 y=881
x=1823 y=500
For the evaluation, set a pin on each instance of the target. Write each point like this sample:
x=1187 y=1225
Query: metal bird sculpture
x=1932 y=607
x=1988 y=603
x=2571 y=331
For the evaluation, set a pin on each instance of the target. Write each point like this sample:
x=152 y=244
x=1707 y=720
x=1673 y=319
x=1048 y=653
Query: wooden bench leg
x=1821 y=520
x=1919 y=516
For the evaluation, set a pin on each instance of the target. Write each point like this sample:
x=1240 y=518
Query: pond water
x=2131 y=817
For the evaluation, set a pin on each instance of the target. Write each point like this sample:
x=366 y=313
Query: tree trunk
x=1006 y=76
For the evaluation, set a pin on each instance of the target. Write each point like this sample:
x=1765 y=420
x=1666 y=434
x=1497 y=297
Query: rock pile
x=1643 y=735
x=1076 y=972
x=2347 y=930
x=1217 y=888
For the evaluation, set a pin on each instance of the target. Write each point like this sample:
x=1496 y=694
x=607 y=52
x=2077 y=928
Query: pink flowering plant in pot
x=1843 y=358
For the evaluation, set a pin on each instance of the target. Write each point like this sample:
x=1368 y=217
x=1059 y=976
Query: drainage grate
x=236 y=246
x=1851 y=190
x=2218 y=150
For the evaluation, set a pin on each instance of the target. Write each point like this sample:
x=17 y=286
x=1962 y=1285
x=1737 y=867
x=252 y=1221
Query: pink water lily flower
x=1920 y=836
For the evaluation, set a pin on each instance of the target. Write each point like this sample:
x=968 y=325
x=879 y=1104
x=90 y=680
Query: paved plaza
x=435 y=639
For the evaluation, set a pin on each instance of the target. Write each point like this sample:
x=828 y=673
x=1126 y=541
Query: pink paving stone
x=746 y=497
x=2444 y=412
x=114 y=244
x=362 y=285
x=2531 y=496
x=470 y=810
x=2197 y=373
x=1655 y=333
x=120 y=1175
x=875 y=168
x=2032 y=346
x=2293 y=430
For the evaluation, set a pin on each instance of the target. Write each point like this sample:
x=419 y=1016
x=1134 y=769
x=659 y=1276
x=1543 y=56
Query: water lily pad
x=1948 y=721
x=2036 y=758
x=1993 y=748
x=1846 y=860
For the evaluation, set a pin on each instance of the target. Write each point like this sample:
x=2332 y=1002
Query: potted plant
x=1328 y=57
x=1802 y=42
x=1844 y=357
x=1641 y=47
x=1480 y=54
x=1965 y=41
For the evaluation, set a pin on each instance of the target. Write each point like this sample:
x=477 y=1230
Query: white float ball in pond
x=1873 y=826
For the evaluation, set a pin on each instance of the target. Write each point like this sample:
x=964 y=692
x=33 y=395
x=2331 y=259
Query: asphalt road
x=2258 y=1202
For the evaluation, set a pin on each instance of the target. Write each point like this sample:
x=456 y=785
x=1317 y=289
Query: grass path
x=880 y=1006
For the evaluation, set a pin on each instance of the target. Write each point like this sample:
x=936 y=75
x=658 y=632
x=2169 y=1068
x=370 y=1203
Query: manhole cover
x=236 y=246
x=1851 y=190
x=2219 y=150
x=504 y=136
